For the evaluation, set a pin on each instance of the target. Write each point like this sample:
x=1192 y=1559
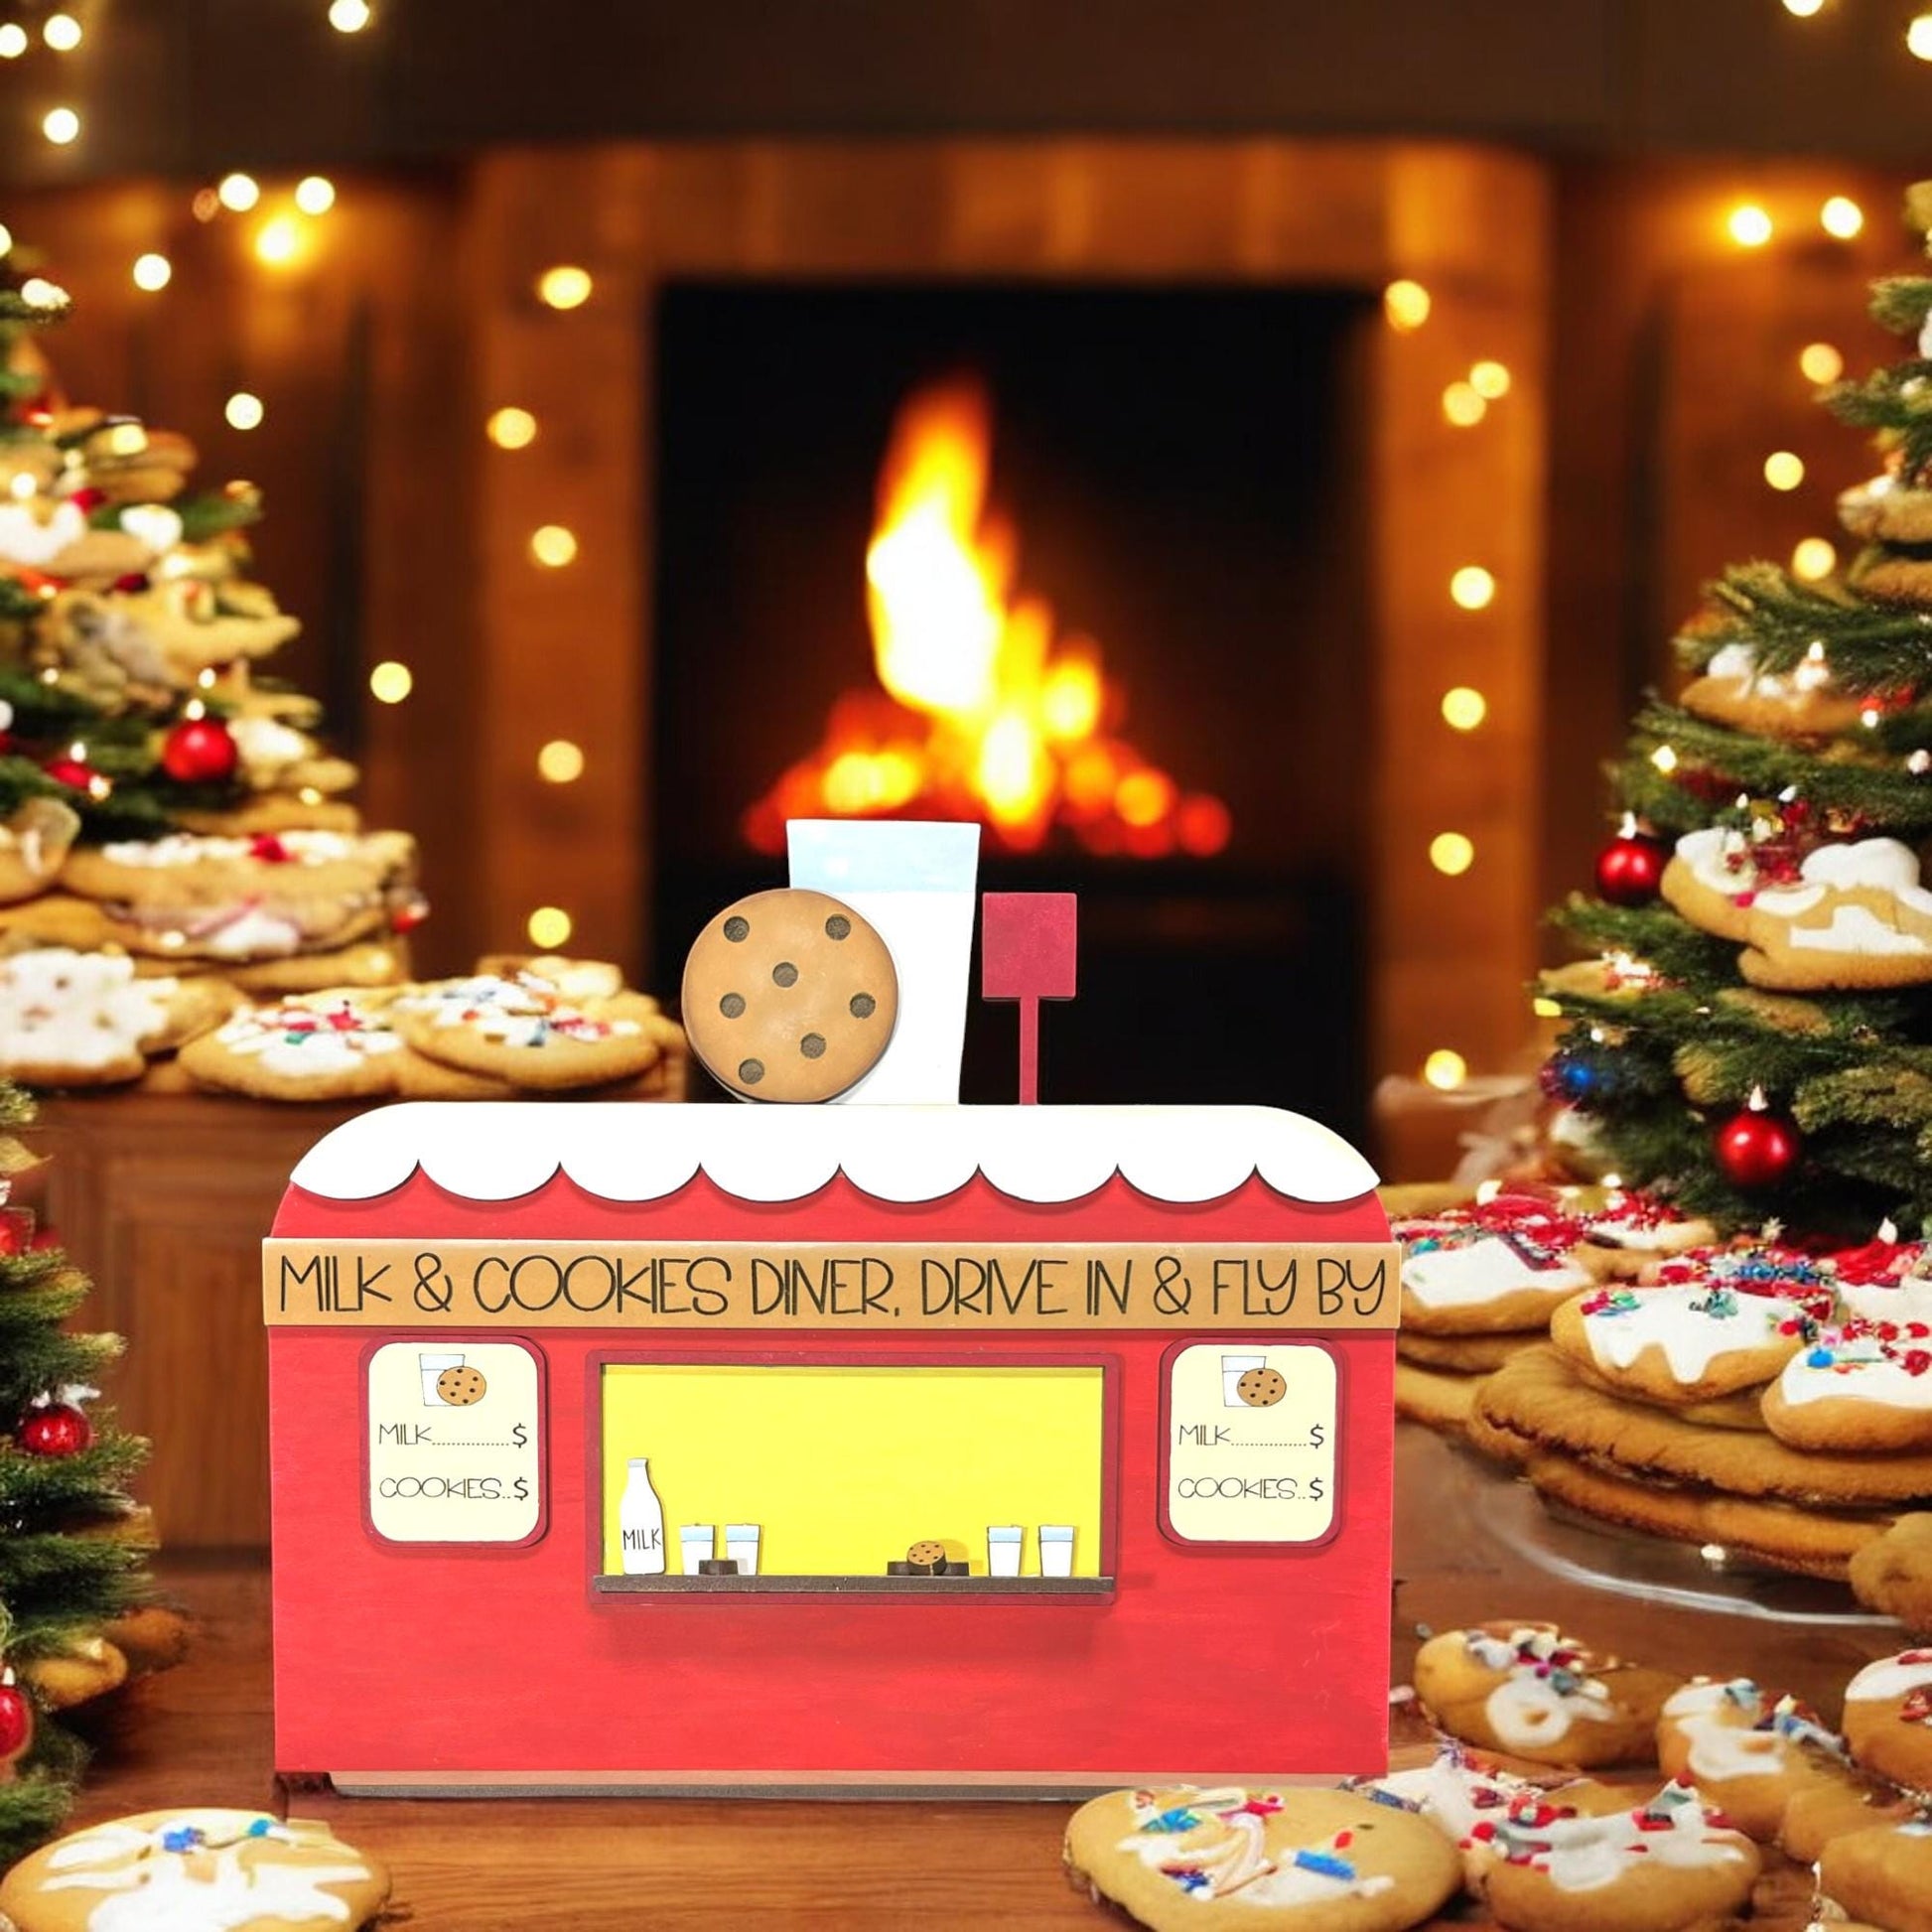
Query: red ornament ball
x=57 y=1429
x=1630 y=869
x=1757 y=1148
x=72 y=771
x=200 y=752
x=16 y=1723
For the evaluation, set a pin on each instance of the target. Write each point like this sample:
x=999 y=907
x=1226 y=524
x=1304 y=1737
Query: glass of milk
x=914 y=882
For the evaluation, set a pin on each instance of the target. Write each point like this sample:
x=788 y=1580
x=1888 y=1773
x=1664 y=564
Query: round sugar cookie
x=1668 y=1865
x=789 y=995
x=1530 y=1690
x=1882 y=1876
x=241 y=1871
x=1301 y=1861
x=1888 y=1717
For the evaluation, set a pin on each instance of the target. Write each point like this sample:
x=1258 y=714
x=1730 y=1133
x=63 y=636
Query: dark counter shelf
x=1088 y=1587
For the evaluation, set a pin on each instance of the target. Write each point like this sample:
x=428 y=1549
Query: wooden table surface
x=201 y=1734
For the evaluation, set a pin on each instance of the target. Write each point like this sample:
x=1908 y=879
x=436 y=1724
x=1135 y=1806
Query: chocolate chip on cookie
x=789 y=995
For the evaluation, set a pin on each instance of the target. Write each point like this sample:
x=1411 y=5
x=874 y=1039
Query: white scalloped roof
x=499 y=1150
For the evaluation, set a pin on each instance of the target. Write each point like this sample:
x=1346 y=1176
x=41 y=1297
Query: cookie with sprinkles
x=1881 y=1878
x=1863 y=1387
x=1304 y=1861
x=525 y=1029
x=335 y=1046
x=1499 y=1267
x=1707 y=1324
x=215 y=1870
x=1888 y=1717
x=1748 y=1753
x=1668 y=1865
x=1532 y=1691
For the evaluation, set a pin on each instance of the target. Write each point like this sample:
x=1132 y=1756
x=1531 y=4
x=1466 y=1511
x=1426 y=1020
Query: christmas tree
x=73 y=1546
x=1753 y=1037
x=132 y=709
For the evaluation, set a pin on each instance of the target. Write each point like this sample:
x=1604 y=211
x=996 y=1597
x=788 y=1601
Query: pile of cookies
x=1705 y=1785
x=1751 y=1395
x=1749 y=1772
x=278 y=911
x=517 y=1025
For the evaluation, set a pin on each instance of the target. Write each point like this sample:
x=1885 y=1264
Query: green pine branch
x=1874 y=649
x=1711 y=764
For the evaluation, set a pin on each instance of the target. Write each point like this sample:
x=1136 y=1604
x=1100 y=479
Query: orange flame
x=986 y=711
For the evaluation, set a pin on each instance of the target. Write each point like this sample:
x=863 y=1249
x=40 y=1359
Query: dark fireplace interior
x=1186 y=492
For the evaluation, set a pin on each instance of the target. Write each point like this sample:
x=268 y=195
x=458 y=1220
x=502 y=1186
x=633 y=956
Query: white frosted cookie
x=1502 y=1266
x=1712 y=879
x=1232 y=1860
x=196 y=1871
x=1531 y=1691
x=268 y=896
x=335 y=1046
x=1858 y=1388
x=1710 y=1326
x=1856 y=916
x=525 y=1029
x=1661 y=1867
x=72 y=1019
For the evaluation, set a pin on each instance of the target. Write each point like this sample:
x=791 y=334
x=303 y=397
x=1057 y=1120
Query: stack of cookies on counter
x=1746 y=1394
x=517 y=1027
x=1570 y=1791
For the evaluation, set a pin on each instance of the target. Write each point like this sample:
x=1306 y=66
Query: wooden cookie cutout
x=1261 y=1388
x=460 y=1387
x=789 y=995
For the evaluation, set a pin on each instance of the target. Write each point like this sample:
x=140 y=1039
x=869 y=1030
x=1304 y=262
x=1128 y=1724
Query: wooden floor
x=201 y=1734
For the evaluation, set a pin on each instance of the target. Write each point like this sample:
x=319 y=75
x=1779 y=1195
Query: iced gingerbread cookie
x=368 y=963
x=1888 y=1717
x=1856 y=916
x=194 y=1870
x=1503 y=1267
x=1732 y=1326
x=1713 y=878
x=1462 y=1354
x=1629 y=1233
x=1669 y=1865
x=34 y=844
x=789 y=996
x=1305 y=1861
x=1862 y=1388
x=1803 y=702
x=1881 y=1878
x=1529 y=1690
x=523 y=1029
x=261 y=898
x=81 y=1019
x=1747 y=1752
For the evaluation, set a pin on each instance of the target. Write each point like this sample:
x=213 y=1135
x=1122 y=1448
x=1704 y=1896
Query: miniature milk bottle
x=640 y=1518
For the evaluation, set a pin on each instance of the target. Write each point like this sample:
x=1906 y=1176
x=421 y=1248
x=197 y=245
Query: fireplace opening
x=1170 y=570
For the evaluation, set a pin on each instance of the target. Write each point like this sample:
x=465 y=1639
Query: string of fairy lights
x=285 y=236
x=1470 y=397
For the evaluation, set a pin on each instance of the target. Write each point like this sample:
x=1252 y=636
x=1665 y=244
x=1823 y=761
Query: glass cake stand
x=1468 y=1495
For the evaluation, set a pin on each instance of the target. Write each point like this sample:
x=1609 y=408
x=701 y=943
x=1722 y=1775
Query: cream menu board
x=454 y=1441
x=1251 y=1442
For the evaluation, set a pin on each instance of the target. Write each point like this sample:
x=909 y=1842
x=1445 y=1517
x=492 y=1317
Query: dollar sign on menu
x=1315 y=1490
x=522 y=1490
x=517 y=1431
x=1316 y=1436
